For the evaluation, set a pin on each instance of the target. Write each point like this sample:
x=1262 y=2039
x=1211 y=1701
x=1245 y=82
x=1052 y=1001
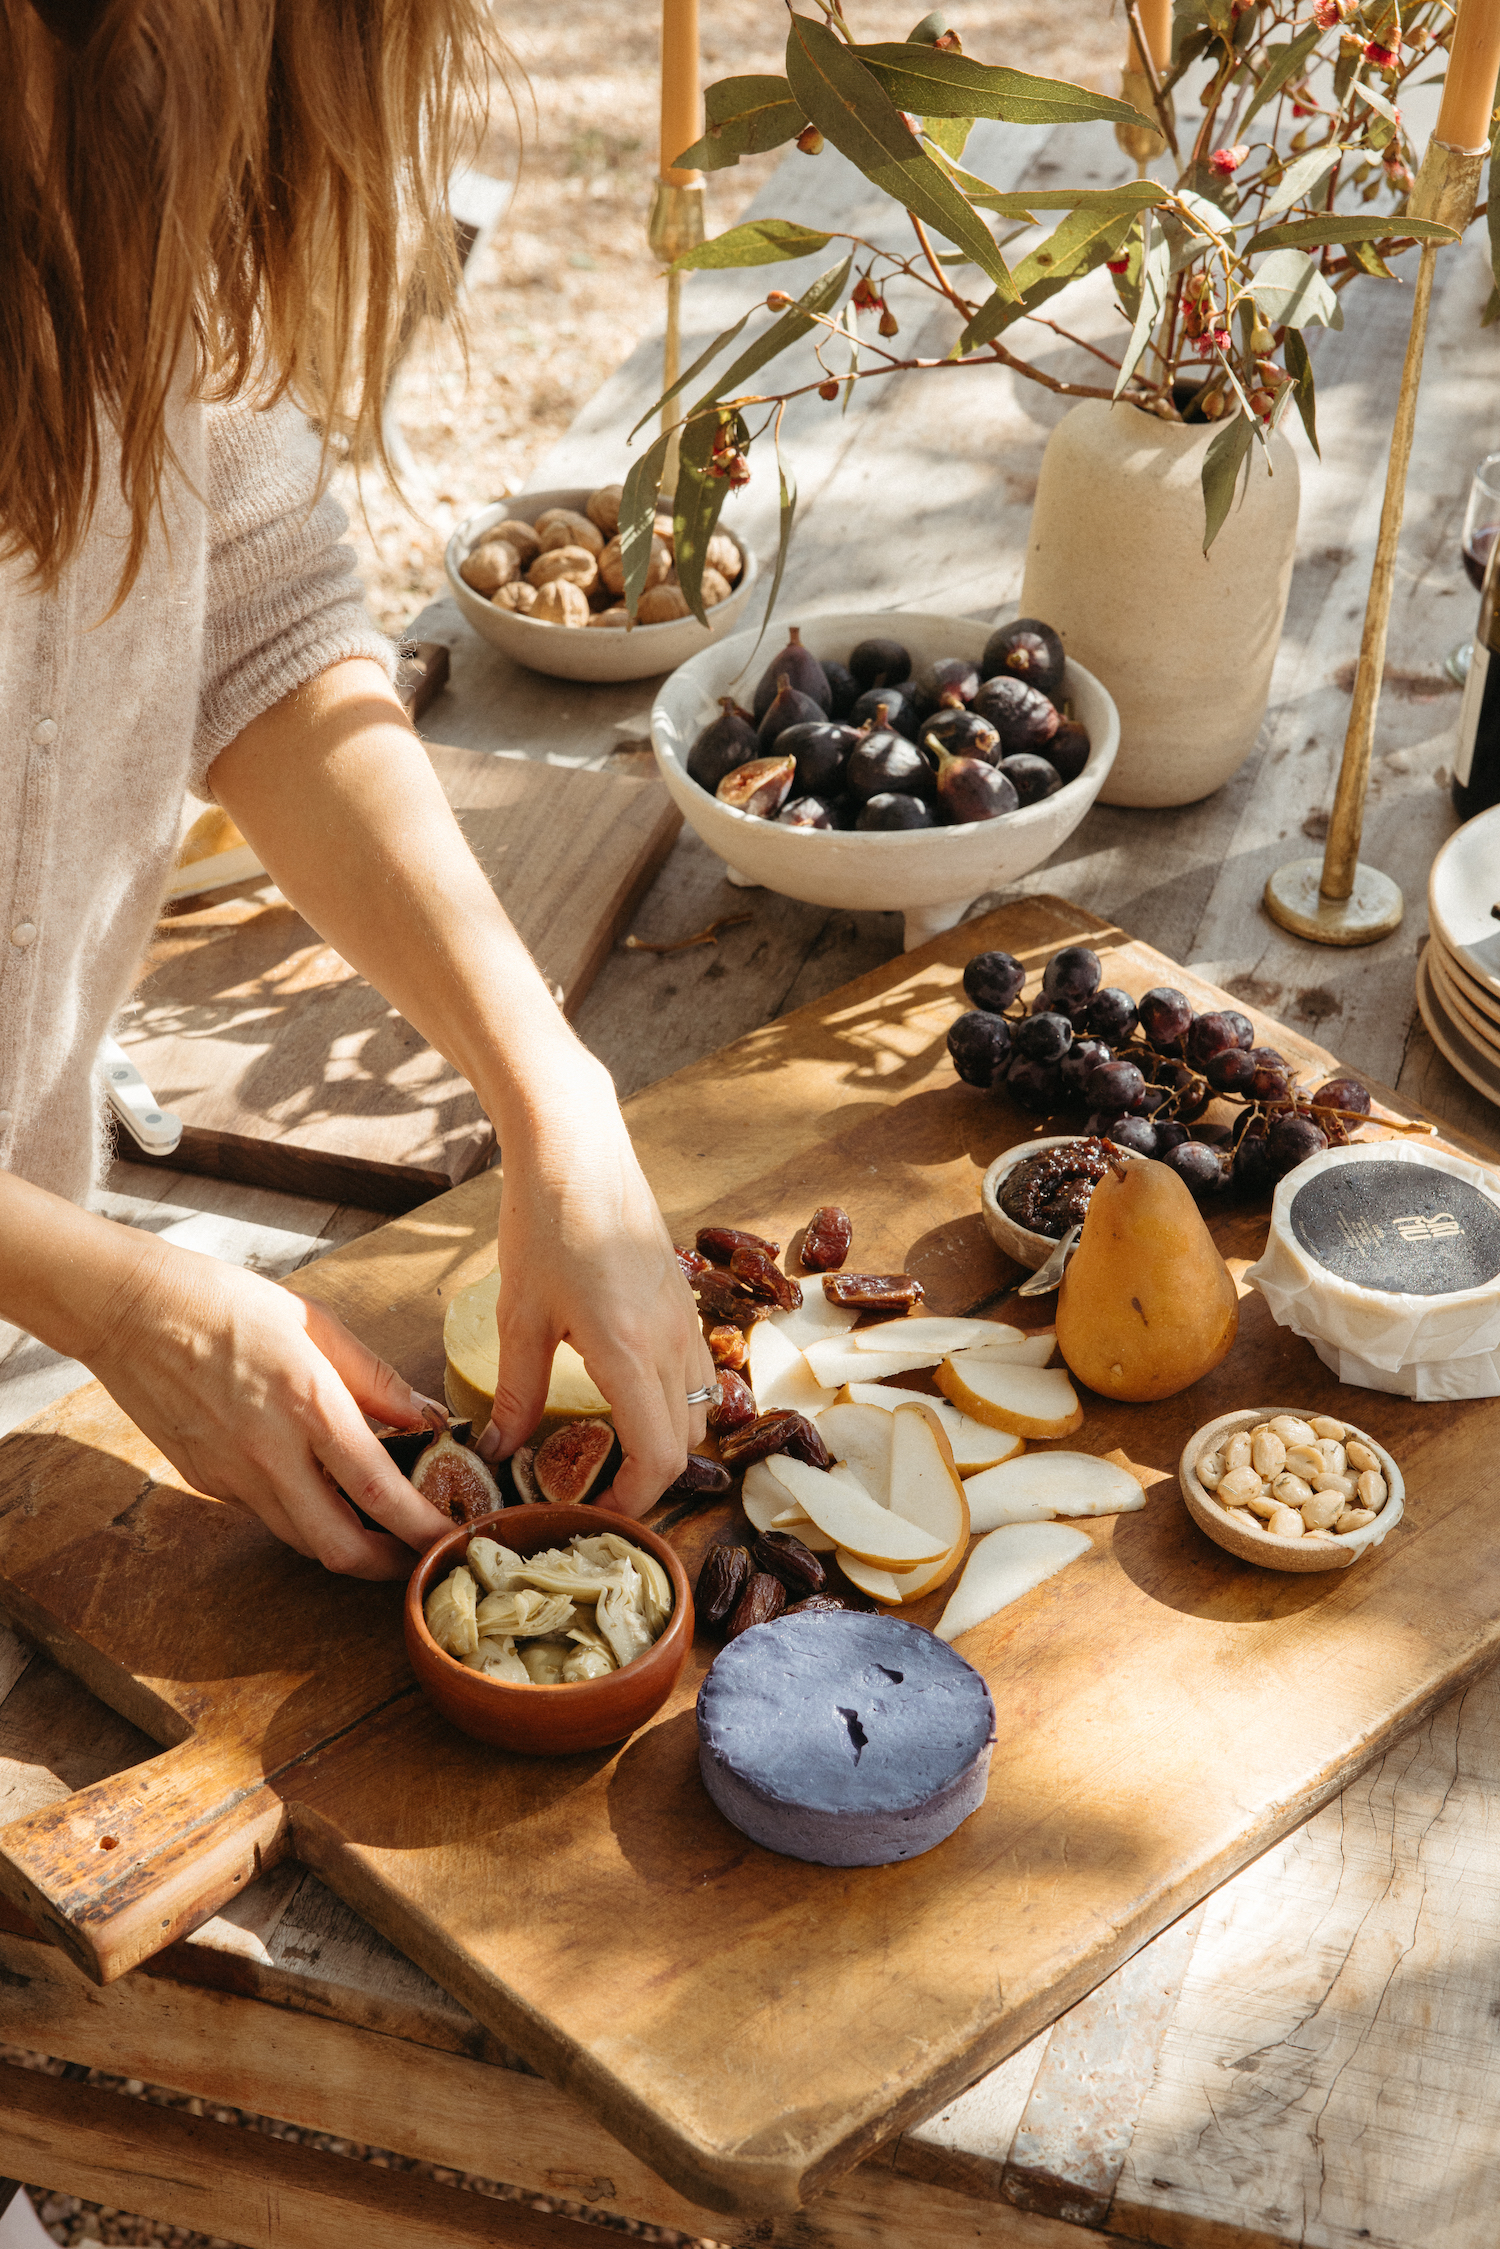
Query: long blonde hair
x=242 y=193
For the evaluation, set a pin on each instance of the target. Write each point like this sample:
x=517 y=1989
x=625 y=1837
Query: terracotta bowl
x=547 y=1721
x=1020 y=1242
x=1227 y=1526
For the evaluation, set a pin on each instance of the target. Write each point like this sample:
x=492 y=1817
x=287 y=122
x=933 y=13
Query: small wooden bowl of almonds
x=1290 y=1489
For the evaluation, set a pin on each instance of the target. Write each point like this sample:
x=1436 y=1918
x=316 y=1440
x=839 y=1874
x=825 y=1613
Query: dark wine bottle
x=1476 y=765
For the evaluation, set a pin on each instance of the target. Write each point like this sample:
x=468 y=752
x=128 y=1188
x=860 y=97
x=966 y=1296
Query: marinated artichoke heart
x=568 y=1614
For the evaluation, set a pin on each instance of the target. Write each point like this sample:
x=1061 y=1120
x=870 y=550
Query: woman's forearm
x=64 y=1272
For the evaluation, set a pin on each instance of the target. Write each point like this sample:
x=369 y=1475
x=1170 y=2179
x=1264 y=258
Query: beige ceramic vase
x=1184 y=642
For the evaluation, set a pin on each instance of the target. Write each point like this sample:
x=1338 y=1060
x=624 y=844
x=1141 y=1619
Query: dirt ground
x=569 y=286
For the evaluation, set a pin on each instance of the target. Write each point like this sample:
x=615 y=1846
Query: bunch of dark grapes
x=1143 y=1072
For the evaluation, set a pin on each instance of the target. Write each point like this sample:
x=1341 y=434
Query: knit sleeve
x=283 y=602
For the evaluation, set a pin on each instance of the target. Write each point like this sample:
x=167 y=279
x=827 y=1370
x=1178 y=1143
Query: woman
x=211 y=212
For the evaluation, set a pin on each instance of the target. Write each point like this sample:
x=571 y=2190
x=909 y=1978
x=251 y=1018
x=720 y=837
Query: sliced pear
x=924 y=1332
x=1003 y=1566
x=839 y=1359
x=851 y=1517
x=1031 y=1401
x=471 y=1347
x=777 y=1371
x=763 y=1497
x=861 y=1435
x=975 y=1444
x=1052 y=1483
x=815 y=1319
x=1031 y=1351
x=925 y=1486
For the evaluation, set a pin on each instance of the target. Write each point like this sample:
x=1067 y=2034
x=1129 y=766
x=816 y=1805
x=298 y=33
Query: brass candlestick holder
x=677 y=224
x=1337 y=900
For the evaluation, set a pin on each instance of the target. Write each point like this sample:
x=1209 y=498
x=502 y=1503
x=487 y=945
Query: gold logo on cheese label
x=1437 y=1228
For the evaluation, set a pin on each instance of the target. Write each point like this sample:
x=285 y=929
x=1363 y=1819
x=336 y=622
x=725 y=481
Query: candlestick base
x=677 y=223
x=1447 y=186
x=1138 y=141
x=1371 y=911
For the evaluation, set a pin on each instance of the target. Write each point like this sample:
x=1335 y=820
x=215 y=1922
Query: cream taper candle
x=1473 y=65
x=1156 y=22
x=681 y=107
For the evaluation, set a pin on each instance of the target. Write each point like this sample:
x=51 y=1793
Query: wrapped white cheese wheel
x=1387 y=1259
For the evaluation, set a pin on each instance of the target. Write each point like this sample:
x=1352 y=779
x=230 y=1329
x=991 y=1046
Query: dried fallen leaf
x=709 y=936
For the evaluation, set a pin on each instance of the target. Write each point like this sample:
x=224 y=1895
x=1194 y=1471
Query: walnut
x=716 y=588
x=659 y=604
x=724 y=556
x=561 y=603
x=603 y=507
x=519 y=535
x=489 y=567
x=561 y=527
x=519 y=598
x=662 y=529
x=612 y=568
x=575 y=564
x=619 y=616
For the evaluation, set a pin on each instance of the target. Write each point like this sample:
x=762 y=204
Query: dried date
x=719 y=1243
x=763 y=1598
x=825 y=1245
x=815 y=1603
x=782 y=1431
x=721 y=1298
x=786 y=1557
x=691 y=1261
x=764 y=1279
x=728 y=1347
x=804 y=1443
x=721 y=1581
x=736 y=1404
x=699 y=1474
x=873 y=1292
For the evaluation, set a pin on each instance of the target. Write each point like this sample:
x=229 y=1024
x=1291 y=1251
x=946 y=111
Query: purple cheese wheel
x=845 y=1738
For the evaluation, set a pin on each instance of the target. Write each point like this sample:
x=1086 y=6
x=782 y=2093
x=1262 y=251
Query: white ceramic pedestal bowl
x=582 y=651
x=931 y=875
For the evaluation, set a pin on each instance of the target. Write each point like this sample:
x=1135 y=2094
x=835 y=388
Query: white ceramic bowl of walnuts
x=543 y=593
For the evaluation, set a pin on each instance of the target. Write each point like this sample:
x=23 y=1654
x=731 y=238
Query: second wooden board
x=288 y=1070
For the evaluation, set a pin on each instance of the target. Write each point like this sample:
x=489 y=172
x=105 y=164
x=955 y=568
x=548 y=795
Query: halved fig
x=575 y=1462
x=761 y=787
x=517 y=1477
x=456 y=1480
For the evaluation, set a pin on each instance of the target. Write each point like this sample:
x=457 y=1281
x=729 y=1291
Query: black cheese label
x=1402 y=1228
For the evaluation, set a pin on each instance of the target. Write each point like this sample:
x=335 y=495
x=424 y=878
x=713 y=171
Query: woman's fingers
x=374 y=1385
x=521 y=1384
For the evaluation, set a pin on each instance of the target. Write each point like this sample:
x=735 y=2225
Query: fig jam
x=1050 y=1192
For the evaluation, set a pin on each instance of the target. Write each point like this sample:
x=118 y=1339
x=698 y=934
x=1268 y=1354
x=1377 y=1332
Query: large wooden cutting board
x=288 y=1070
x=748 y=2024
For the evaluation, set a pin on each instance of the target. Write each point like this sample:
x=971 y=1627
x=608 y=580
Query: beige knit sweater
x=106 y=721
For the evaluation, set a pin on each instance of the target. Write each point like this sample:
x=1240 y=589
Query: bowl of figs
x=893 y=762
x=541 y=576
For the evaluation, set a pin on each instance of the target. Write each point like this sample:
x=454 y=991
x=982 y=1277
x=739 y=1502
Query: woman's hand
x=259 y=1396
x=586 y=1258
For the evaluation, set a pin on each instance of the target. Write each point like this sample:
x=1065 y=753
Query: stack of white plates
x=1458 y=976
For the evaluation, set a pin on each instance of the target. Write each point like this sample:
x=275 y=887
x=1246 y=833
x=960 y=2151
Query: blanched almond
x=1324 y=1425
x=1292 y=1430
x=1237 y=1450
x=1240 y=1487
x=1291 y=1490
x=1267 y=1452
x=1285 y=1522
x=1372 y=1489
x=1320 y=1510
x=1355 y=1519
x=1361 y=1455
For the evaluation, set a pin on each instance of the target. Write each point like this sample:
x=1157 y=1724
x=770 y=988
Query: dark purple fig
x=992 y=980
x=1210 y=1034
x=761 y=787
x=1292 y=1140
x=1021 y=715
x=822 y=752
x=1069 y=749
x=1030 y=776
x=1034 y=1086
x=727 y=741
x=800 y=669
x=843 y=687
x=1028 y=651
x=1343 y=1093
x=806 y=812
x=1046 y=1037
x=576 y=1462
x=900 y=705
x=788 y=707
x=887 y=811
x=1083 y=1056
x=969 y=788
x=963 y=733
x=953 y=676
x=1071 y=978
x=880 y=663
x=883 y=763
x=1202 y=1171
x=979 y=1045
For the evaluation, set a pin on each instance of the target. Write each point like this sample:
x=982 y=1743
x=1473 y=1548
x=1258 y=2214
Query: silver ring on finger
x=709 y=1396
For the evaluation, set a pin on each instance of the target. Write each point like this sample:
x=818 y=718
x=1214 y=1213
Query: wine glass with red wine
x=1481 y=529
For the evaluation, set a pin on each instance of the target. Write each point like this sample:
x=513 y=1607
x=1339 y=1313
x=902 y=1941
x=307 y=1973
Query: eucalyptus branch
x=931 y=256
x=1068 y=337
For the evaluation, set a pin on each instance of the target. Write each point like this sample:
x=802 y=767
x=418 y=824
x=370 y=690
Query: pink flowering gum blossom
x=1227 y=160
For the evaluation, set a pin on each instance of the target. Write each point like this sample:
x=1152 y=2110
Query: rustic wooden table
x=1306 y=2058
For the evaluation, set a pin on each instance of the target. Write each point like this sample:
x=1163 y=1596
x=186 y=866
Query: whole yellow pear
x=1147 y=1304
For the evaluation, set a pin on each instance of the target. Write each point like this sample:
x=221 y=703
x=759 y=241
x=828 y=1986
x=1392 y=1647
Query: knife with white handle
x=133 y=1104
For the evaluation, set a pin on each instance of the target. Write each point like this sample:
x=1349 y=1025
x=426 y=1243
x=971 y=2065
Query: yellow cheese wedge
x=472 y=1350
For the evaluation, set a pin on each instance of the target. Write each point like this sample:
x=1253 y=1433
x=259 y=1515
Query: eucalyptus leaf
x=1369 y=260
x=1346 y=228
x=1291 y=293
x=759 y=242
x=696 y=509
x=638 y=513
x=1377 y=102
x=1156 y=273
x=1221 y=467
x=1083 y=240
x=848 y=105
x=720 y=343
x=1184 y=55
x=932 y=82
x=783 y=332
x=746 y=116
x=1299 y=367
x=1133 y=195
x=950 y=133
x=1282 y=65
x=1299 y=179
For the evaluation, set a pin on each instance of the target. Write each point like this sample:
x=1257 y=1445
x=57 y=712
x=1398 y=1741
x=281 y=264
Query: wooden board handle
x=120 y=1869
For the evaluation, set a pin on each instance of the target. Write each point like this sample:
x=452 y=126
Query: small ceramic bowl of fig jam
x=1033 y=1194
